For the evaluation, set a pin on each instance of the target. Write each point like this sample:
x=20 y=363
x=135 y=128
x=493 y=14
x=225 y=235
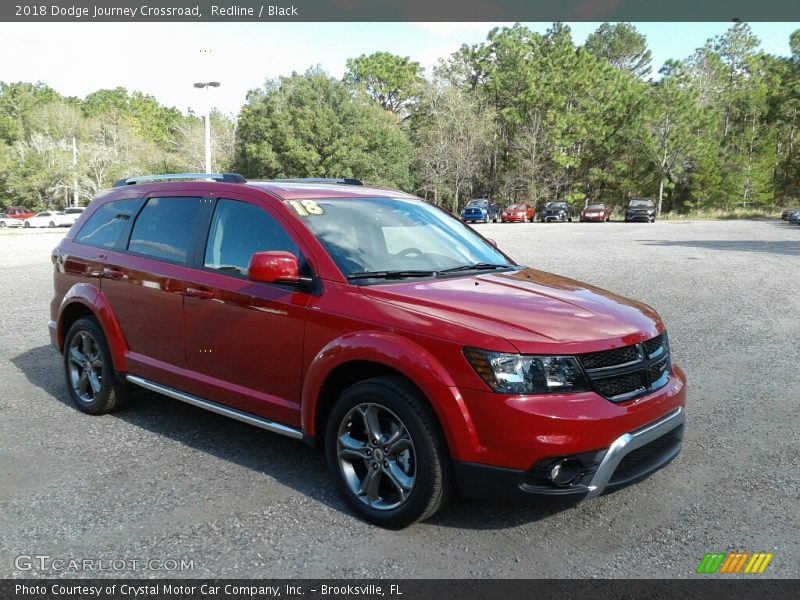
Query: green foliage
x=393 y=81
x=312 y=125
x=622 y=46
x=521 y=116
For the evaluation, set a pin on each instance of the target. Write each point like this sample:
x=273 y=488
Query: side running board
x=217 y=408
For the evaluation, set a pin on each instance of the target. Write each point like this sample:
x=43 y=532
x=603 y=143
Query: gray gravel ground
x=168 y=481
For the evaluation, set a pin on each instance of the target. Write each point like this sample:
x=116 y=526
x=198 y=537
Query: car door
x=244 y=340
x=144 y=281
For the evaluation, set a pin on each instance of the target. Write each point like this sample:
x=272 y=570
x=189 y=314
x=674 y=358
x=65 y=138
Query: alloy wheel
x=376 y=456
x=85 y=366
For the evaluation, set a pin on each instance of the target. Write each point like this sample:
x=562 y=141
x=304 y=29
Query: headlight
x=520 y=374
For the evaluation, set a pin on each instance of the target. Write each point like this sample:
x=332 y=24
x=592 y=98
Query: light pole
x=208 y=85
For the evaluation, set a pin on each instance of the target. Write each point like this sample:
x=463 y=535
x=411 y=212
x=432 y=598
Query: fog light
x=566 y=472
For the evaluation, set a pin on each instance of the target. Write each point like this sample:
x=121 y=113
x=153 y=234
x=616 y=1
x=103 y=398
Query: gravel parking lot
x=164 y=480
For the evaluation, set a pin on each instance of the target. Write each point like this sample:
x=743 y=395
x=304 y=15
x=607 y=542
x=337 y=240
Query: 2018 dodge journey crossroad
x=369 y=323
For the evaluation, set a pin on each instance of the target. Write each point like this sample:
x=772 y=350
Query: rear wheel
x=51 y=224
x=26 y=224
x=91 y=380
x=386 y=454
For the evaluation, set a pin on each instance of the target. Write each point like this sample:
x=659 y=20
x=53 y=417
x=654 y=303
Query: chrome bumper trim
x=217 y=408
x=627 y=443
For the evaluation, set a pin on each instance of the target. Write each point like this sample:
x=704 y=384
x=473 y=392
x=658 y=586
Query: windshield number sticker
x=305 y=208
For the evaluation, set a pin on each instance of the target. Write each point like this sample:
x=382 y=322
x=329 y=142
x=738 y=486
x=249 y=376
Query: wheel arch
x=85 y=300
x=362 y=356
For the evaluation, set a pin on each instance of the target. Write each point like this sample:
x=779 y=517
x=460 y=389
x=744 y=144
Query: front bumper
x=641 y=217
x=513 y=218
x=557 y=218
x=596 y=218
x=633 y=456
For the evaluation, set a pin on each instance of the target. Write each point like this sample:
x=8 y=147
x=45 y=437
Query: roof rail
x=340 y=180
x=225 y=177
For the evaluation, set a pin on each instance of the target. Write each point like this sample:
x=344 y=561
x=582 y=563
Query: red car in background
x=518 y=213
x=596 y=212
x=18 y=212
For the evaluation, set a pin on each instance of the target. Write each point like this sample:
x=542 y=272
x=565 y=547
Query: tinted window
x=106 y=224
x=165 y=228
x=72 y=211
x=239 y=230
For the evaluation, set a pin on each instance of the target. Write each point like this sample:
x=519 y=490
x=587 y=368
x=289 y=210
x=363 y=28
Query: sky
x=165 y=59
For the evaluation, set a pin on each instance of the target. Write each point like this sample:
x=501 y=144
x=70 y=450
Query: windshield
x=517 y=207
x=596 y=207
x=387 y=234
x=556 y=205
x=643 y=202
x=478 y=203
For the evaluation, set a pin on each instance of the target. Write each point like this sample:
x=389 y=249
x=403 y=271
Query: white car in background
x=6 y=221
x=73 y=212
x=48 y=218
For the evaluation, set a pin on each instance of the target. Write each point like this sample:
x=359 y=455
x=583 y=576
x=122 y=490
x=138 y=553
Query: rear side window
x=239 y=230
x=165 y=228
x=107 y=223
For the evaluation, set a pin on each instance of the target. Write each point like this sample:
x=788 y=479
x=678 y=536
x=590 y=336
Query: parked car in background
x=557 y=211
x=6 y=221
x=18 y=212
x=794 y=217
x=640 y=209
x=480 y=209
x=788 y=211
x=72 y=213
x=518 y=213
x=596 y=212
x=370 y=324
x=48 y=218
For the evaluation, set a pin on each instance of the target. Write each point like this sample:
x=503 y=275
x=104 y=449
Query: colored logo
x=735 y=562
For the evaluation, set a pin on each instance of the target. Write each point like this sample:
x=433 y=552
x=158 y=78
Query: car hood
x=533 y=310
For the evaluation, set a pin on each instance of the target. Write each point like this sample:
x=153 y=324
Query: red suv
x=372 y=324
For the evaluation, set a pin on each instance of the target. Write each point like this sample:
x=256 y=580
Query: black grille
x=624 y=373
x=642 y=459
x=654 y=345
x=609 y=358
x=625 y=384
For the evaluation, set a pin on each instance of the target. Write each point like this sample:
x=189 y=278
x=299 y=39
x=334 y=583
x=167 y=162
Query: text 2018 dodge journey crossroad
x=372 y=324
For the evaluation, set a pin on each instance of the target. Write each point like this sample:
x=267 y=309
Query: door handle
x=112 y=273
x=201 y=293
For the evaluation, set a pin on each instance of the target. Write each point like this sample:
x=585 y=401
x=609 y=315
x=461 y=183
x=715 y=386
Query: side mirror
x=492 y=242
x=274 y=267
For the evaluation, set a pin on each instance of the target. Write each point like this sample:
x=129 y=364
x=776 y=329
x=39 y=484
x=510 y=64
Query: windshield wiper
x=390 y=274
x=474 y=267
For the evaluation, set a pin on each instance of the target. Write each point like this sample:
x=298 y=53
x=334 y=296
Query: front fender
x=405 y=357
x=92 y=298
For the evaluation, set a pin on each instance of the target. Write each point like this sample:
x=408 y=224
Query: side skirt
x=217 y=408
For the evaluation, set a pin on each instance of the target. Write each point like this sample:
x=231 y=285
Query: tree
x=674 y=124
x=393 y=81
x=623 y=47
x=452 y=136
x=312 y=125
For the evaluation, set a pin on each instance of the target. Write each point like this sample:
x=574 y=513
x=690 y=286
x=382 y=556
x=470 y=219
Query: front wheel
x=26 y=224
x=386 y=453
x=91 y=381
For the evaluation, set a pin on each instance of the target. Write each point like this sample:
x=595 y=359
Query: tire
x=2 y=225
x=97 y=391
x=51 y=225
x=26 y=224
x=411 y=484
x=569 y=220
